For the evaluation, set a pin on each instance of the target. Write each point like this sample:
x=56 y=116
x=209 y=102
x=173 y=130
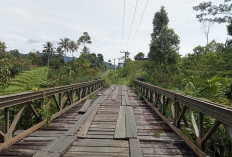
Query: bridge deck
x=115 y=124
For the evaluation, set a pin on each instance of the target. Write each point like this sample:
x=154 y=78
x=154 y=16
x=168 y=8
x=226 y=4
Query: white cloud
x=27 y=24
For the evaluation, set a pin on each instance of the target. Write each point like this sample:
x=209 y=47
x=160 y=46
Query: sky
x=27 y=24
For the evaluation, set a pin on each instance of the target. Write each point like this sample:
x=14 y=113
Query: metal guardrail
x=161 y=99
x=63 y=97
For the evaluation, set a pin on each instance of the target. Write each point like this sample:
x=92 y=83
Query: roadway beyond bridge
x=114 y=123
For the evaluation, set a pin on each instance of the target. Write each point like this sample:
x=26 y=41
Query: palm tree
x=48 y=50
x=73 y=46
x=85 y=39
x=64 y=44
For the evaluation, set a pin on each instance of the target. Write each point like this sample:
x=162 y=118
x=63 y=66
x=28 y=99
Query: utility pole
x=126 y=53
x=114 y=63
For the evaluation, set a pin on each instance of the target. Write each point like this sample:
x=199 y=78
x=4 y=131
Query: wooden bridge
x=92 y=120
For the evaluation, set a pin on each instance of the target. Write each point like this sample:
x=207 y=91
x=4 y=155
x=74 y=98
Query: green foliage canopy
x=164 y=42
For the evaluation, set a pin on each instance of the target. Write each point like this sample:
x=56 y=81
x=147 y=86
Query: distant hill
x=68 y=59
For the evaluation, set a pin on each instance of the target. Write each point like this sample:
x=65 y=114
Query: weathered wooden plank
x=135 y=148
x=124 y=88
x=99 y=136
x=123 y=101
x=84 y=128
x=131 y=129
x=115 y=94
x=85 y=107
x=98 y=149
x=195 y=127
x=96 y=154
x=120 y=130
x=101 y=143
x=107 y=92
x=78 y=124
x=101 y=132
x=103 y=126
x=127 y=100
x=161 y=138
x=62 y=145
x=9 y=133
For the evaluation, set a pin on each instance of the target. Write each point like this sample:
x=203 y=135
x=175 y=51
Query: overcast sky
x=27 y=24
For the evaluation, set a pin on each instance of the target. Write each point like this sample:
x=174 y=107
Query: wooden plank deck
x=116 y=123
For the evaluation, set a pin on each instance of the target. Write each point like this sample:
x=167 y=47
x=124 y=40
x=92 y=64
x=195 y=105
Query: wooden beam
x=84 y=128
x=56 y=102
x=8 y=135
x=135 y=148
x=33 y=110
x=181 y=116
x=85 y=107
x=39 y=125
x=176 y=109
x=115 y=94
x=120 y=129
x=6 y=119
x=211 y=131
x=228 y=130
x=201 y=132
x=131 y=129
x=195 y=126
x=191 y=145
x=60 y=101
x=127 y=99
x=49 y=102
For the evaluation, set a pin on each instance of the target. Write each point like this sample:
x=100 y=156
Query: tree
x=139 y=56
x=85 y=39
x=206 y=27
x=220 y=13
x=64 y=44
x=35 y=58
x=164 y=42
x=57 y=60
x=2 y=49
x=73 y=46
x=48 y=50
x=100 y=57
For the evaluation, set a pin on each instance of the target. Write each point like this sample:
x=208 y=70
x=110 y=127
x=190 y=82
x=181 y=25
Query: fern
x=27 y=81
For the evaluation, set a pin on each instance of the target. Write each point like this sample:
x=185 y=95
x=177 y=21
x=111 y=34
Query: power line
x=132 y=23
x=144 y=9
x=124 y=10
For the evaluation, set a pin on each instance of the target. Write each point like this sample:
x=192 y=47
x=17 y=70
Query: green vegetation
x=39 y=70
x=126 y=75
x=206 y=73
x=27 y=72
x=27 y=81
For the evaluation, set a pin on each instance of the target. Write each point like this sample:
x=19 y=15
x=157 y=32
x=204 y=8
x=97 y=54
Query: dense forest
x=206 y=73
